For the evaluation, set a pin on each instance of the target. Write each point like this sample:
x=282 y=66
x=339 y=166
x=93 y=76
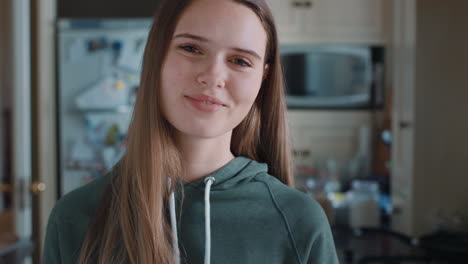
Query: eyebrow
x=202 y=39
x=187 y=35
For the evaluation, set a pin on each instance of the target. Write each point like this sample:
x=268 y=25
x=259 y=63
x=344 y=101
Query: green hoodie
x=252 y=218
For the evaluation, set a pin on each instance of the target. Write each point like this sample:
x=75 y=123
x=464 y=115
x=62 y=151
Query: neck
x=202 y=156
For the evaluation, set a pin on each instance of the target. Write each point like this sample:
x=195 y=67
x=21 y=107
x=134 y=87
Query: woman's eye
x=189 y=48
x=241 y=62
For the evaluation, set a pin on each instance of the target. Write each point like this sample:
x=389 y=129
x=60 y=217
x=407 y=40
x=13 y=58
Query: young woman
x=207 y=175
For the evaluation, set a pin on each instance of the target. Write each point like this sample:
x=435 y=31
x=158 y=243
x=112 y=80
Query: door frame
x=403 y=76
x=43 y=68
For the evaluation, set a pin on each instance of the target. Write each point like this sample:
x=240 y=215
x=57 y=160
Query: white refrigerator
x=99 y=65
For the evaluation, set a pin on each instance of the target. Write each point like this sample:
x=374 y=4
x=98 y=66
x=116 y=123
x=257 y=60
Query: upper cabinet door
x=286 y=15
x=331 y=21
x=353 y=21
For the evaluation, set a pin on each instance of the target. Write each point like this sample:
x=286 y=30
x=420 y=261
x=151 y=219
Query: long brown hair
x=131 y=224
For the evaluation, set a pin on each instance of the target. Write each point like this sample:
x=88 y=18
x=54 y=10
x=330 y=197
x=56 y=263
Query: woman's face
x=213 y=69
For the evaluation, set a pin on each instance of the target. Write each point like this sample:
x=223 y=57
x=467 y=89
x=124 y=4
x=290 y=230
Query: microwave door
x=328 y=76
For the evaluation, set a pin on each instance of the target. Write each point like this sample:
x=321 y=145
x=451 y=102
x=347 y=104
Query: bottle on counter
x=364 y=204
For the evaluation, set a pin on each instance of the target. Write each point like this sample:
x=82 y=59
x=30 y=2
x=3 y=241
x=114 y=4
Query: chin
x=204 y=133
x=200 y=131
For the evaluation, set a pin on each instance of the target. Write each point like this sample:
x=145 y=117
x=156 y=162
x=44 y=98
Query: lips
x=202 y=98
x=205 y=103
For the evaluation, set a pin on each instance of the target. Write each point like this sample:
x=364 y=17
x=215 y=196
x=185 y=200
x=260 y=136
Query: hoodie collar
x=238 y=171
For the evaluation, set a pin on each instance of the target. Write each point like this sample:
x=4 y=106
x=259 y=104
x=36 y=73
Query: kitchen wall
x=441 y=124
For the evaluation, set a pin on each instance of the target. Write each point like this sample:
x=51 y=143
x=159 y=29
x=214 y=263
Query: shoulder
x=80 y=203
x=69 y=220
x=305 y=220
x=300 y=209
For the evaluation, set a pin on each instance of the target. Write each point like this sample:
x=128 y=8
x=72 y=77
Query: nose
x=213 y=74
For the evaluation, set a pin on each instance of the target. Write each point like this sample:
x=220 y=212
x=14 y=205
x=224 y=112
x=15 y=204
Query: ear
x=265 y=71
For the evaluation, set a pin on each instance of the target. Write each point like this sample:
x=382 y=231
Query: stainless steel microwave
x=333 y=76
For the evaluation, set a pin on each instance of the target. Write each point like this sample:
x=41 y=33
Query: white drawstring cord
x=208 y=181
x=175 y=242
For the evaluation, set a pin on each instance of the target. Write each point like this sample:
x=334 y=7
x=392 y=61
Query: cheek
x=174 y=74
x=169 y=69
x=248 y=88
x=166 y=82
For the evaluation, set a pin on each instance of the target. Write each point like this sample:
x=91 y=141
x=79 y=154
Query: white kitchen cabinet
x=331 y=21
x=286 y=17
x=338 y=135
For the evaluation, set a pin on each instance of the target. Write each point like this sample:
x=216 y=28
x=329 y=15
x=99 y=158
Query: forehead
x=224 y=23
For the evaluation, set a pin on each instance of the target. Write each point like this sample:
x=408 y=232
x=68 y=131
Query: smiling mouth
x=205 y=99
x=206 y=106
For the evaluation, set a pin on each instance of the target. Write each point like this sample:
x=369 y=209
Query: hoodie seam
x=285 y=219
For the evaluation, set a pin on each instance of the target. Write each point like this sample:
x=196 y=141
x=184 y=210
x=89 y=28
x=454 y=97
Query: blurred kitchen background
x=377 y=94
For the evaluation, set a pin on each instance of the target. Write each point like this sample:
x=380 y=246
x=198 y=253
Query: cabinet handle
x=306 y=4
x=37 y=187
x=297 y=4
x=404 y=124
